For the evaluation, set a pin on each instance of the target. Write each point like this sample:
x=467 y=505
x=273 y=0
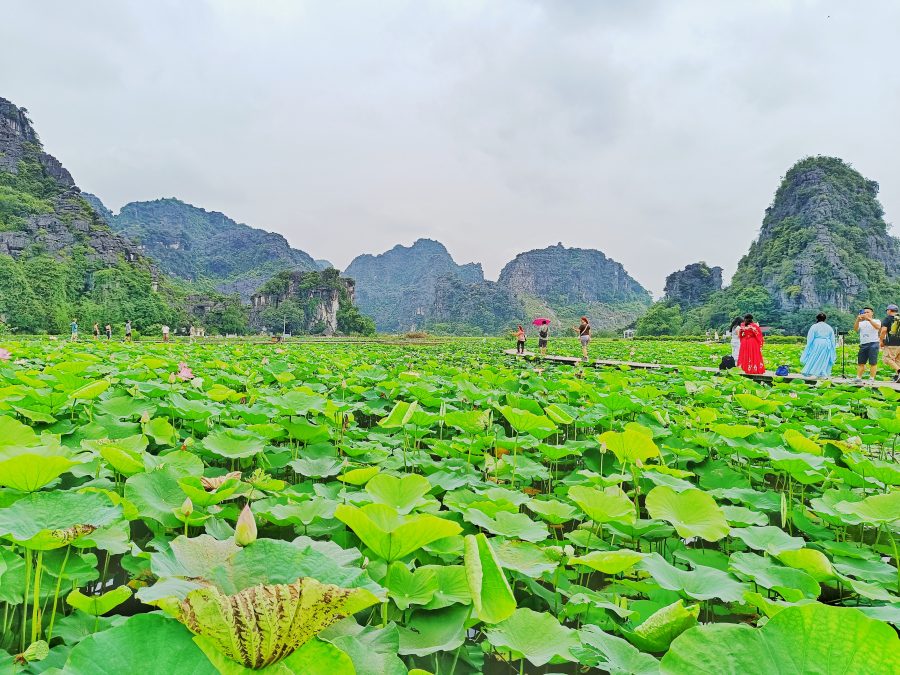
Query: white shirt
x=868 y=333
x=165 y=330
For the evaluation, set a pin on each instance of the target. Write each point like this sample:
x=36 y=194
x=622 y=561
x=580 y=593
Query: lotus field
x=380 y=508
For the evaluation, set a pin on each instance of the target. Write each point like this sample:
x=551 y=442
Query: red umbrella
x=540 y=321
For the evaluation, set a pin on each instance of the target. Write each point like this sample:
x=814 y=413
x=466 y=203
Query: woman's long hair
x=737 y=322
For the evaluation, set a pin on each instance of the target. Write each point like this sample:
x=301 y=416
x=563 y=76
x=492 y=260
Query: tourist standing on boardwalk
x=890 y=341
x=108 y=332
x=584 y=335
x=821 y=349
x=74 y=327
x=736 y=338
x=520 y=340
x=869 y=342
x=128 y=331
x=96 y=331
x=750 y=358
x=543 y=337
x=165 y=332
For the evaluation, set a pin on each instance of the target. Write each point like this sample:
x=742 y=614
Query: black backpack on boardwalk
x=727 y=362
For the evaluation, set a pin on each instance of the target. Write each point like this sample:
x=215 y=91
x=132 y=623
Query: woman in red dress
x=750 y=357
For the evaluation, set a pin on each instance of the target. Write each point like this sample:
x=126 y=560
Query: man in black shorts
x=869 y=342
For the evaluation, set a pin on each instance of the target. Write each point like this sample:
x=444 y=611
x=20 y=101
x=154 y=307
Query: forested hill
x=824 y=246
x=58 y=258
x=199 y=245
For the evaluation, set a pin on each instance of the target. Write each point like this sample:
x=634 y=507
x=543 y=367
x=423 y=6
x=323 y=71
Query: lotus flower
x=245 y=530
x=184 y=373
x=217 y=482
x=4 y=354
x=187 y=507
x=263 y=624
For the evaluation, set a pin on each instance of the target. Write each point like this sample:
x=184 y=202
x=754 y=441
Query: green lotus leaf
x=30 y=472
x=506 y=524
x=407 y=587
x=801 y=443
x=734 y=430
x=234 y=443
x=612 y=654
x=372 y=650
x=49 y=520
x=125 y=455
x=144 y=640
x=159 y=429
x=390 y=535
x=404 y=493
x=90 y=391
x=317 y=467
x=813 y=562
x=192 y=486
x=316 y=657
x=608 y=505
x=609 y=562
x=468 y=421
x=400 y=415
x=877 y=510
x=156 y=494
x=301 y=429
x=535 y=636
x=359 y=476
x=525 y=558
x=701 y=583
x=525 y=422
x=630 y=446
x=743 y=517
x=811 y=638
x=263 y=624
x=13 y=433
x=692 y=513
x=491 y=594
x=656 y=633
x=773 y=540
x=553 y=511
x=792 y=584
x=95 y=605
x=441 y=630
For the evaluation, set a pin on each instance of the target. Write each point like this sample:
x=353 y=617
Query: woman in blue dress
x=820 y=353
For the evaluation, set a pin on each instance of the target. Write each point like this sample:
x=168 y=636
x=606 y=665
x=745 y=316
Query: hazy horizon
x=655 y=132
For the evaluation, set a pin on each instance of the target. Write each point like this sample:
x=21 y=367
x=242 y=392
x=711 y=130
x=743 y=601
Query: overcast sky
x=656 y=132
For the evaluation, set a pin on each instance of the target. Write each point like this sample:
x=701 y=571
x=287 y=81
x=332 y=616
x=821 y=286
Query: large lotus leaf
x=491 y=594
x=156 y=494
x=31 y=471
x=125 y=455
x=452 y=586
x=813 y=562
x=525 y=422
x=160 y=430
x=506 y=524
x=200 y=496
x=877 y=510
x=263 y=624
x=811 y=638
x=612 y=654
x=404 y=493
x=407 y=588
x=630 y=446
x=317 y=467
x=372 y=650
x=468 y=421
x=553 y=511
x=701 y=583
x=189 y=409
x=90 y=391
x=143 y=641
x=609 y=562
x=316 y=657
x=15 y=434
x=792 y=584
x=800 y=443
x=525 y=558
x=95 y=605
x=441 y=630
x=48 y=520
x=604 y=506
x=234 y=443
x=390 y=535
x=656 y=633
x=301 y=429
x=773 y=540
x=693 y=513
x=536 y=636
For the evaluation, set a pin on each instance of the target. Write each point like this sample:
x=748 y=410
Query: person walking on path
x=520 y=340
x=584 y=336
x=750 y=358
x=890 y=341
x=96 y=331
x=736 y=338
x=821 y=349
x=543 y=337
x=108 y=332
x=869 y=342
x=165 y=333
x=74 y=327
x=128 y=331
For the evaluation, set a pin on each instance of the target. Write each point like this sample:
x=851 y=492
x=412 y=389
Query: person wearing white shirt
x=869 y=342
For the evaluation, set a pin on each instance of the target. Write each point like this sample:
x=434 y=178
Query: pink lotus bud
x=245 y=530
x=187 y=507
x=4 y=354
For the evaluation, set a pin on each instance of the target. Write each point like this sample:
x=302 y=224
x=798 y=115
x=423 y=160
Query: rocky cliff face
x=397 y=288
x=693 y=285
x=195 y=244
x=41 y=208
x=823 y=242
x=304 y=302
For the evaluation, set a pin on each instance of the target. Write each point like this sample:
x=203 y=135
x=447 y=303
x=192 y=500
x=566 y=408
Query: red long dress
x=750 y=357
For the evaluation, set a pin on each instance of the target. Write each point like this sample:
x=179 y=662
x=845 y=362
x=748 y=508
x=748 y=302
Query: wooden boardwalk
x=768 y=376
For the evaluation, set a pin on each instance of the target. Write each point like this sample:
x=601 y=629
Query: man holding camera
x=869 y=341
x=890 y=341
